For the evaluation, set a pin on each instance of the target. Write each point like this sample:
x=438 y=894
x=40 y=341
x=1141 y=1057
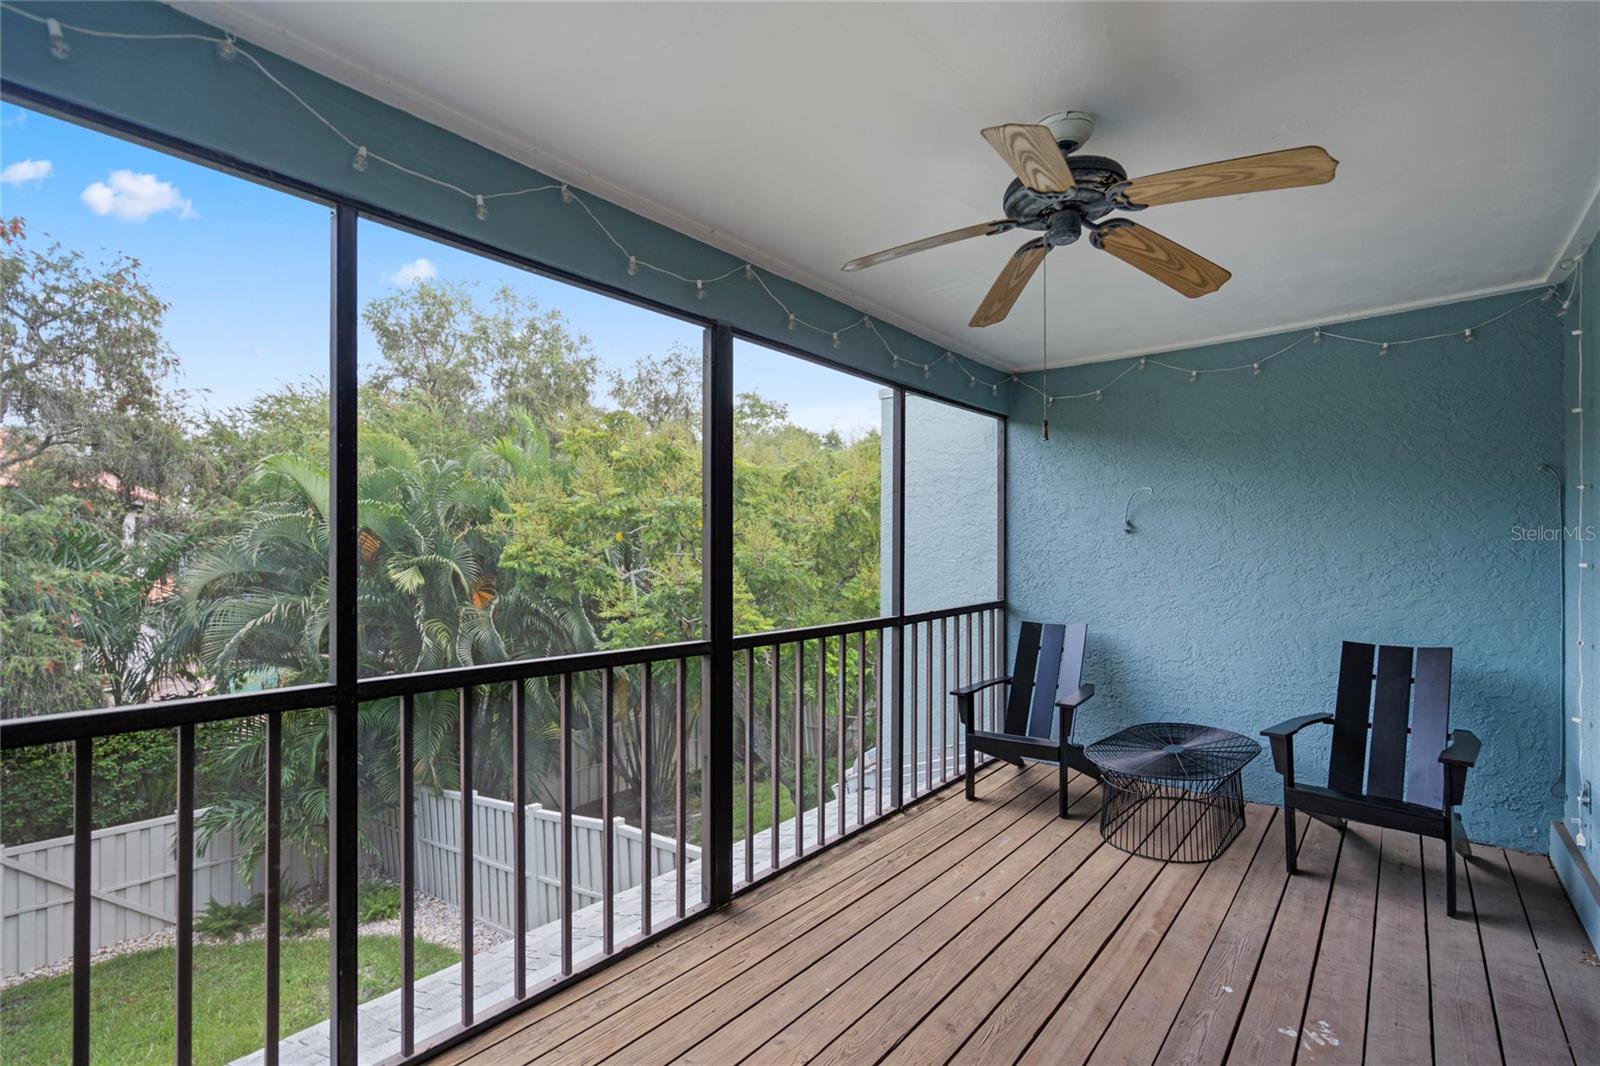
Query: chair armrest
x=1462 y=749
x=979 y=686
x=1083 y=694
x=1289 y=728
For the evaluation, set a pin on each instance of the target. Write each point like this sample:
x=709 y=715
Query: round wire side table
x=1171 y=790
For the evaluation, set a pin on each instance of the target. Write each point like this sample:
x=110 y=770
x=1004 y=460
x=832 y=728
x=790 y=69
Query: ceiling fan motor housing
x=1090 y=198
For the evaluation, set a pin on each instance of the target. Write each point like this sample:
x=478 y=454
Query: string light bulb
x=749 y=272
x=566 y=194
x=1194 y=376
x=1097 y=395
x=58 y=42
x=927 y=370
x=836 y=339
x=481 y=209
x=1383 y=349
x=633 y=264
x=995 y=388
x=792 y=321
x=1561 y=312
x=699 y=290
x=227 y=49
x=1255 y=369
x=1141 y=363
x=1316 y=336
x=1467 y=337
x=894 y=361
x=360 y=161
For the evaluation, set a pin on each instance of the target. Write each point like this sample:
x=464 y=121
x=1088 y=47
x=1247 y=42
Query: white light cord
x=230 y=48
x=1581 y=719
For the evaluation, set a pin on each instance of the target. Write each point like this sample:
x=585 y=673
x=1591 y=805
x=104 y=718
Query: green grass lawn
x=131 y=1000
x=761 y=796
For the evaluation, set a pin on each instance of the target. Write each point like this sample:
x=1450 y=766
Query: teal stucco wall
x=1338 y=495
x=185 y=89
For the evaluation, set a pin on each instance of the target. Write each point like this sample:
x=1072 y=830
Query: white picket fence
x=133 y=876
x=438 y=856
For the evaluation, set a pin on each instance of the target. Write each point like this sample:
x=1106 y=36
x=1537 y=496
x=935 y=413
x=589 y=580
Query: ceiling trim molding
x=1583 y=235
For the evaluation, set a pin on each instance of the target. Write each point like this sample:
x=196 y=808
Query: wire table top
x=1179 y=753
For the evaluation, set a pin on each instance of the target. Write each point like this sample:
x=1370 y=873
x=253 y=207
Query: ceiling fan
x=1061 y=195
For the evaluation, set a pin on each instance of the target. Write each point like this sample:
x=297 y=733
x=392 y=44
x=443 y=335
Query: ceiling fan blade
x=1009 y=285
x=982 y=229
x=1287 y=169
x=1165 y=260
x=1033 y=153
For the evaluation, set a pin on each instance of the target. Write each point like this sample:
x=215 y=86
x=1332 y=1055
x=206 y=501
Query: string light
x=58 y=42
x=229 y=48
x=1255 y=368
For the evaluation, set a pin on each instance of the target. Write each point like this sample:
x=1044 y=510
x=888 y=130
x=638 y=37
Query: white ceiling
x=802 y=135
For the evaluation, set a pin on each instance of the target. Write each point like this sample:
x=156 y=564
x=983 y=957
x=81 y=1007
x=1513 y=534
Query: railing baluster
x=909 y=757
x=774 y=767
x=928 y=677
x=944 y=700
x=566 y=823
x=822 y=741
x=841 y=730
x=465 y=839
x=799 y=748
x=749 y=772
x=408 y=877
x=271 y=898
x=607 y=835
x=683 y=785
x=82 y=895
x=519 y=839
x=861 y=731
x=646 y=841
x=877 y=727
x=184 y=1016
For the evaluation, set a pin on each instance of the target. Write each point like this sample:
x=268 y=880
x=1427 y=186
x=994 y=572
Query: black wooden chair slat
x=1045 y=693
x=1413 y=791
x=1386 y=774
x=1042 y=708
x=1023 y=676
x=1430 y=727
x=1347 y=762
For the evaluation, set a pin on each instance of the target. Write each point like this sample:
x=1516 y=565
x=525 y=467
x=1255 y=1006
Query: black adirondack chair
x=1415 y=795
x=1045 y=693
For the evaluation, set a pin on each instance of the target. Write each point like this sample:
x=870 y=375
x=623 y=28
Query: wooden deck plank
x=828 y=882
x=863 y=1017
x=1008 y=1030
x=1136 y=1033
x=799 y=973
x=1335 y=1024
x=1569 y=959
x=1204 y=1026
x=1464 y=1029
x=1070 y=1036
x=1530 y=1024
x=1269 y=1028
x=666 y=1014
x=993 y=931
x=1399 y=1026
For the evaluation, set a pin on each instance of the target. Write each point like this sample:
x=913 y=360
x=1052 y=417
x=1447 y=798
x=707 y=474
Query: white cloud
x=413 y=272
x=34 y=170
x=134 y=197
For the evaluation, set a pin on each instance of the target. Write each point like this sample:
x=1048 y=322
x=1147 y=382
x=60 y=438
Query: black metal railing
x=837 y=726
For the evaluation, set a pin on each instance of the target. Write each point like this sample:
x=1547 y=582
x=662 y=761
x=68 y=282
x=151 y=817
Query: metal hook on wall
x=1127 y=512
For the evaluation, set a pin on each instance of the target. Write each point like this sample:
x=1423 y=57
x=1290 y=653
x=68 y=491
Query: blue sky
x=245 y=270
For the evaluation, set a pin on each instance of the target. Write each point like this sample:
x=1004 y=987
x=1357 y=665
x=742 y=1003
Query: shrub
x=297 y=921
x=377 y=902
x=224 y=921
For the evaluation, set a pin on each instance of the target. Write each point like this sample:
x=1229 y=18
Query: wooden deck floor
x=993 y=932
